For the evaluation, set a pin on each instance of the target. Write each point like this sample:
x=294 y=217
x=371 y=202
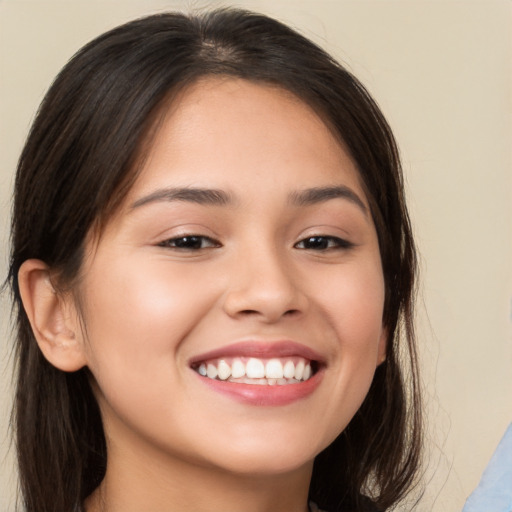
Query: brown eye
x=323 y=243
x=190 y=242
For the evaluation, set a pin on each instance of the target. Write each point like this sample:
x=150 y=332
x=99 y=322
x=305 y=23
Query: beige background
x=442 y=73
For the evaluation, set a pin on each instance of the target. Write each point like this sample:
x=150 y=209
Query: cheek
x=138 y=312
x=353 y=303
x=353 y=299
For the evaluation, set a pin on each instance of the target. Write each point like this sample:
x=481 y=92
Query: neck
x=150 y=481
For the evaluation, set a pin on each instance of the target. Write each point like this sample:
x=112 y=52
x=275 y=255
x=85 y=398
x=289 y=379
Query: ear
x=52 y=316
x=383 y=345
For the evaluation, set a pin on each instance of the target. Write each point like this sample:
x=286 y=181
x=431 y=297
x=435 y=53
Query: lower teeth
x=263 y=382
x=260 y=382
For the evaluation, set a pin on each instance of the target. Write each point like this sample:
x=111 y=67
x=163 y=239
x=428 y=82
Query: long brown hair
x=76 y=167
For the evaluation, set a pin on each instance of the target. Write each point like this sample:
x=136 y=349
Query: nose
x=263 y=285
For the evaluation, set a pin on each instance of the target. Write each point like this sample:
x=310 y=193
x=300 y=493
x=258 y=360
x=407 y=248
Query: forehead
x=230 y=133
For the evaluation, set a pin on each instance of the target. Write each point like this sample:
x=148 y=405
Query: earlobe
x=52 y=317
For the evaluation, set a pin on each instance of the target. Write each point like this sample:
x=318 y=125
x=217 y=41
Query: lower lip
x=265 y=395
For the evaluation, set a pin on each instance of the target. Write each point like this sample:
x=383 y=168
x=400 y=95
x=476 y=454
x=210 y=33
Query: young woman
x=213 y=271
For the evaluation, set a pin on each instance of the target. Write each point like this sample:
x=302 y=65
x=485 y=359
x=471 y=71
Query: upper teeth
x=253 y=368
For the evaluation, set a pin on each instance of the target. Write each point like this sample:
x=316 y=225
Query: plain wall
x=441 y=72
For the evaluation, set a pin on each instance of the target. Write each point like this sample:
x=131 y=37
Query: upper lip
x=259 y=349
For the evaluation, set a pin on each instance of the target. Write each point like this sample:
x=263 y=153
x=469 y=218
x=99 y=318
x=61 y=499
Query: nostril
x=248 y=312
x=257 y=301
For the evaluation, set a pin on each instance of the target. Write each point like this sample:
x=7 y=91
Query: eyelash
x=190 y=243
x=197 y=243
x=324 y=243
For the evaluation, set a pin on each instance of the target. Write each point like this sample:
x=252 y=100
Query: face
x=233 y=306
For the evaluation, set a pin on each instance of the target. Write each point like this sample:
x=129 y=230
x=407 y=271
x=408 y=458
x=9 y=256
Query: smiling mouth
x=258 y=371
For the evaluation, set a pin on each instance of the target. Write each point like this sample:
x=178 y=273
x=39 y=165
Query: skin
x=149 y=307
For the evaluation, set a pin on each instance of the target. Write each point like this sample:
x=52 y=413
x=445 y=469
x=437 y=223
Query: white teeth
x=289 y=370
x=238 y=369
x=211 y=371
x=224 y=370
x=255 y=369
x=299 y=370
x=274 y=369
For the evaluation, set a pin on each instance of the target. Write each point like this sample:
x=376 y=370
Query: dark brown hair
x=76 y=167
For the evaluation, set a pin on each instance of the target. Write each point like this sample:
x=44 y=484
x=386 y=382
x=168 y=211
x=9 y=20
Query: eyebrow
x=204 y=196
x=216 y=197
x=317 y=195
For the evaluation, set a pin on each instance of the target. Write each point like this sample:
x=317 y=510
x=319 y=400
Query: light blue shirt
x=494 y=492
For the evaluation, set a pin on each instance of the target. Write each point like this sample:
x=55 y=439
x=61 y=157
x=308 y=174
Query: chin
x=264 y=458
x=271 y=465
